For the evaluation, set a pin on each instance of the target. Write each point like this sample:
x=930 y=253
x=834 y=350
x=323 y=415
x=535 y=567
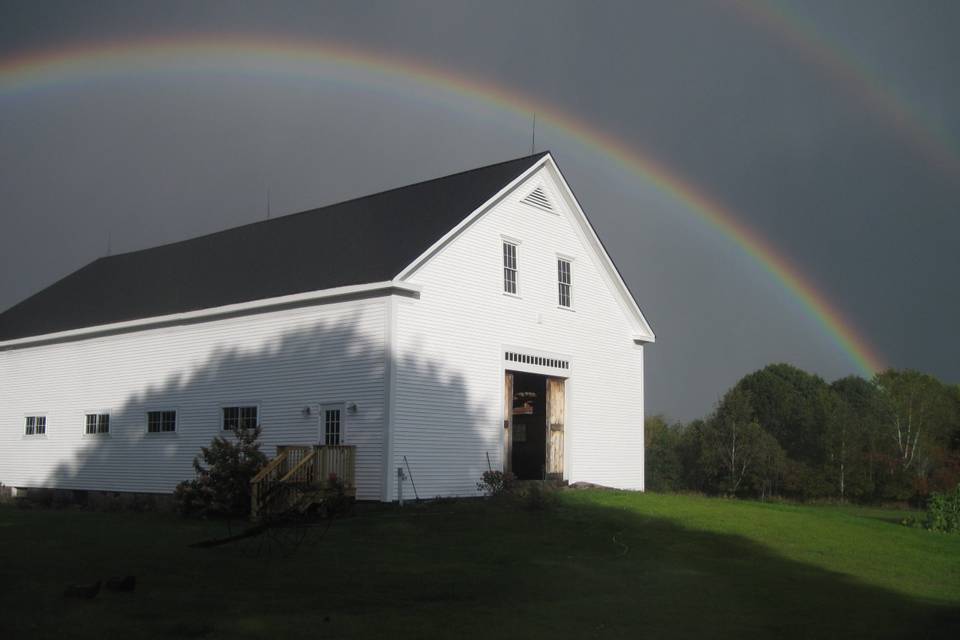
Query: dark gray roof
x=370 y=239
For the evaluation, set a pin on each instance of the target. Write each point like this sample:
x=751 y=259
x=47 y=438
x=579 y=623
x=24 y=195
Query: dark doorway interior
x=529 y=426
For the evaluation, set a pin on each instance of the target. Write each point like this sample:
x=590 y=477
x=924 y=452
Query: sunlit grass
x=865 y=543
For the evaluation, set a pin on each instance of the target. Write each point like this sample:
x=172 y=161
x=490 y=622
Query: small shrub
x=193 y=497
x=537 y=496
x=222 y=485
x=337 y=502
x=943 y=512
x=495 y=483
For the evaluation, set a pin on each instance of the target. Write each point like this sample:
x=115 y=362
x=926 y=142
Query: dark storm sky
x=767 y=127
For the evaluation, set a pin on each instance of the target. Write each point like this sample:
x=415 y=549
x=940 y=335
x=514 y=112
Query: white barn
x=436 y=327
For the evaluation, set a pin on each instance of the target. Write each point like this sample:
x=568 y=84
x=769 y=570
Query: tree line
x=781 y=431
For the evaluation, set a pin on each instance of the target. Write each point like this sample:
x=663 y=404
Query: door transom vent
x=542 y=361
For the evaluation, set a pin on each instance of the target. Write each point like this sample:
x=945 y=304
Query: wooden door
x=508 y=421
x=555 y=422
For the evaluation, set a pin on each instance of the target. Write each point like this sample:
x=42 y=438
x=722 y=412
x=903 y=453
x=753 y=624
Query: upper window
x=509 y=267
x=35 y=426
x=240 y=417
x=564 y=282
x=97 y=423
x=332 y=426
x=161 y=421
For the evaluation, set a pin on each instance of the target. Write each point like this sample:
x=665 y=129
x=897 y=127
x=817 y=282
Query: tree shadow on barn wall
x=323 y=362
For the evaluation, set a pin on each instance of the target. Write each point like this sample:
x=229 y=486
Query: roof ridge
x=536 y=156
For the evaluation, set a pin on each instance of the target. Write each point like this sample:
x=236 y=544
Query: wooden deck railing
x=301 y=470
x=340 y=460
x=262 y=483
x=302 y=467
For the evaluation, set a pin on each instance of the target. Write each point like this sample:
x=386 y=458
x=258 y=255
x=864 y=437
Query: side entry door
x=556 y=398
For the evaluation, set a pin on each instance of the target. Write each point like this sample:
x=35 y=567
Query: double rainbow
x=917 y=130
x=253 y=54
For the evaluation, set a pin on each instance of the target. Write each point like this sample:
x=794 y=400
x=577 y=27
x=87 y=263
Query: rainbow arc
x=853 y=77
x=256 y=54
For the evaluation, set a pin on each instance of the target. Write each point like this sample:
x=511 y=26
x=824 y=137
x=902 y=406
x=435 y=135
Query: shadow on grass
x=466 y=569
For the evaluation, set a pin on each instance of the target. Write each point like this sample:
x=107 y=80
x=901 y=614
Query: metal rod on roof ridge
x=533 y=136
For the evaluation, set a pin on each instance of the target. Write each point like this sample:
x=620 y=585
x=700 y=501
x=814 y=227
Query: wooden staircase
x=299 y=477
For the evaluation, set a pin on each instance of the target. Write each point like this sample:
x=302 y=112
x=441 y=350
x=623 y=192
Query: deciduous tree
x=734 y=446
x=916 y=409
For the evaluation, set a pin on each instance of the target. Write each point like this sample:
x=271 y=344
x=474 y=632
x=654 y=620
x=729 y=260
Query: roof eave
x=386 y=287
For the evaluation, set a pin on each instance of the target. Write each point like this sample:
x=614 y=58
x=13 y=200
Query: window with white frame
x=564 y=282
x=332 y=425
x=35 y=426
x=509 y=267
x=240 y=417
x=97 y=424
x=161 y=421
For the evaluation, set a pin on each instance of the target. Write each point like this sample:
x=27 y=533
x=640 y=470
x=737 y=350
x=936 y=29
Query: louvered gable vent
x=538 y=198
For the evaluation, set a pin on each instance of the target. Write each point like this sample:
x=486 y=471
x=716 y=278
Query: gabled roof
x=370 y=239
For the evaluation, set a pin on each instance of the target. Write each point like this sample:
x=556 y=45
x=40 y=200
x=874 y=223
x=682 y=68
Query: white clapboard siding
x=282 y=361
x=447 y=407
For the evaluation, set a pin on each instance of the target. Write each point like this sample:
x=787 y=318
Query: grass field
x=598 y=565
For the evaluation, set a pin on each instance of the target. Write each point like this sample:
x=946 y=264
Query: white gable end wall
x=281 y=361
x=459 y=329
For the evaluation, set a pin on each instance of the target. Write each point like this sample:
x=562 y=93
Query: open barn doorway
x=534 y=407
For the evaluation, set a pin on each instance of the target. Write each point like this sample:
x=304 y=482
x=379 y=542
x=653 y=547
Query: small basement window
x=35 y=426
x=97 y=424
x=564 y=282
x=161 y=421
x=509 y=267
x=240 y=417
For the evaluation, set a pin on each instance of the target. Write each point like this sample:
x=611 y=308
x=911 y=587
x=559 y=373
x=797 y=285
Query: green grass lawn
x=598 y=565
